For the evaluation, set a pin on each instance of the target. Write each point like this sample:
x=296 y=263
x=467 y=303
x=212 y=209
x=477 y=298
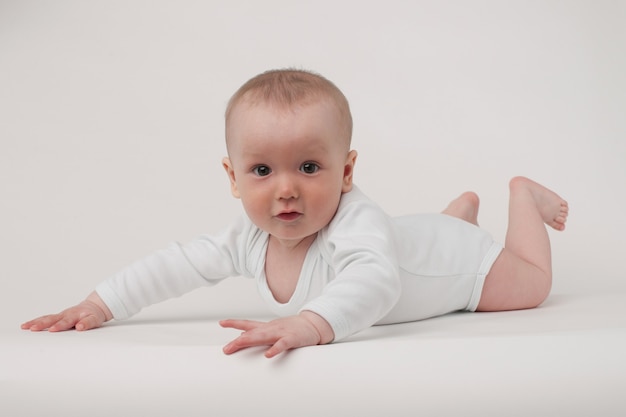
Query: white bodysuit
x=364 y=268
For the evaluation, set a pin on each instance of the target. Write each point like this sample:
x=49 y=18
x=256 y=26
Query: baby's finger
x=88 y=322
x=250 y=339
x=281 y=345
x=63 y=324
x=40 y=323
x=244 y=325
x=236 y=345
x=27 y=325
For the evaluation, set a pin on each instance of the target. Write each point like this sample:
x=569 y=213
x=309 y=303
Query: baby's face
x=288 y=166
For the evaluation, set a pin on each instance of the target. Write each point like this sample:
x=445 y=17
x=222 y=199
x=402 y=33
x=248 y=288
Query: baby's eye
x=309 y=168
x=261 y=170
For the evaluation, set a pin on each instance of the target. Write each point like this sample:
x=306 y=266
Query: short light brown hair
x=287 y=87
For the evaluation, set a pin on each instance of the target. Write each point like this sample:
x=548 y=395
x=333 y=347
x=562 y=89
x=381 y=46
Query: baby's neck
x=283 y=264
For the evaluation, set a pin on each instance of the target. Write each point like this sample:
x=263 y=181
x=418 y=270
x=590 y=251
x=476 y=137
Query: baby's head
x=289 y=160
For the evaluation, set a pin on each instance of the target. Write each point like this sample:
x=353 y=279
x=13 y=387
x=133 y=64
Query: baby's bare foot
x=464 y=207
x=552 y=208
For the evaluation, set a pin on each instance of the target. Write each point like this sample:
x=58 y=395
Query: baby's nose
x=287 y=187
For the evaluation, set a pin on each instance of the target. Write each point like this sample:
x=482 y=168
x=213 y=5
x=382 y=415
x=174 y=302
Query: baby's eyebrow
x=254 y=153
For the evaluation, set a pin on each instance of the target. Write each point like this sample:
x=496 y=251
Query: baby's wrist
x=95 y=300
x=325 y=332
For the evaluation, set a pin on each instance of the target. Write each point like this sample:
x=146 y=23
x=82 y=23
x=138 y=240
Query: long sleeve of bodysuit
x=177 y=270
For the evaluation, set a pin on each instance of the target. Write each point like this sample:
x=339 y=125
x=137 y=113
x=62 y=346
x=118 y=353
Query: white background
x=111 y=136
x=111 y=123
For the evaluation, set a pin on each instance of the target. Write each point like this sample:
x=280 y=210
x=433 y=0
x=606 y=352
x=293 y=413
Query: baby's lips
x=289 y=216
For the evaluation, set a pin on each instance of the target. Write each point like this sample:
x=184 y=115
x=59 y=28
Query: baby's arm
x=164 y=274
x=89 y=314
x=305 y=329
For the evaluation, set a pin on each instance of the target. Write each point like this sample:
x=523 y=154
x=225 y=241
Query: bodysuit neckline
x=301 y=291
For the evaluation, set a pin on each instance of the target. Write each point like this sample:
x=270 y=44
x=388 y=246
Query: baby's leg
x=464 y=207
x=521 y=277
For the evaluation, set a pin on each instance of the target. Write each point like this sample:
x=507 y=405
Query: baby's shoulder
x=357 y=214
x=355 y=200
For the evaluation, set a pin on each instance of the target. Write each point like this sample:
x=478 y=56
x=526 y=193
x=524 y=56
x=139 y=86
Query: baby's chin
x=292 y=240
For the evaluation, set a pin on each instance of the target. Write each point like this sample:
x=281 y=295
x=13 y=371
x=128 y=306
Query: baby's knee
x=541 y=291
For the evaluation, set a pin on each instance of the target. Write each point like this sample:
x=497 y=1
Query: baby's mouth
x=289 y=216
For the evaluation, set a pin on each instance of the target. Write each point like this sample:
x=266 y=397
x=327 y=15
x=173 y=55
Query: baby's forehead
x=308 y=117
x=247 y=106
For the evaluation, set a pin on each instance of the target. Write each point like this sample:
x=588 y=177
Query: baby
x=327 y=259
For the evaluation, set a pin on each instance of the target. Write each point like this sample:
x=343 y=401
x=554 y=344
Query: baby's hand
x=305 y=329
x=89 y=314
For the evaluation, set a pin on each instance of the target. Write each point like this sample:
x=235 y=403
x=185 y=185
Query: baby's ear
x=228 y=167
x=348 y=171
